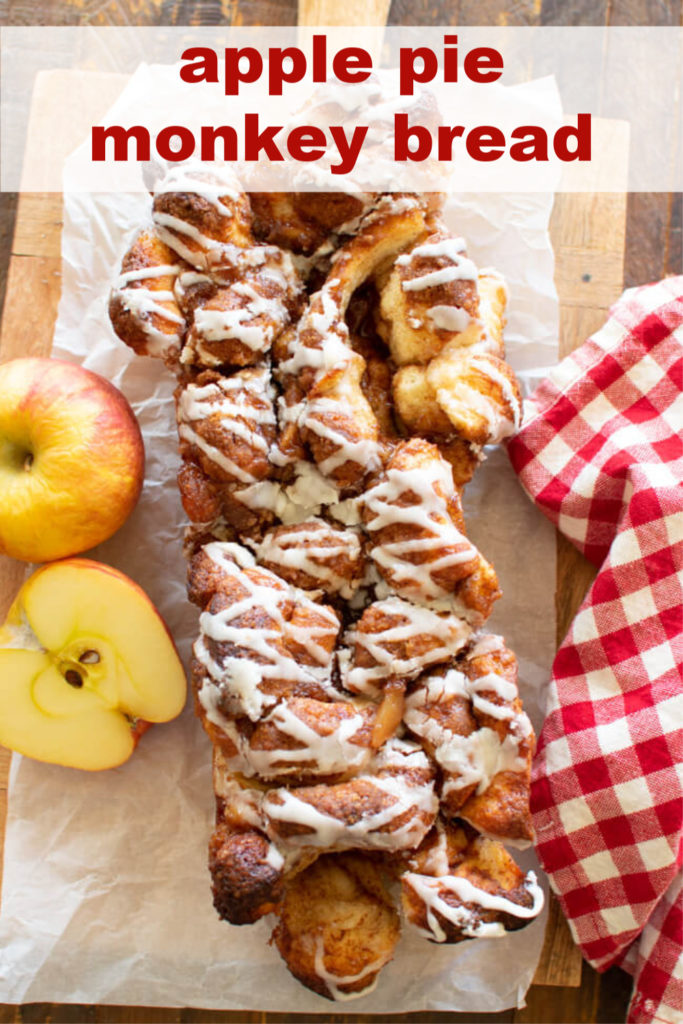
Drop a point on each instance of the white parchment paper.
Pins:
(106, 895)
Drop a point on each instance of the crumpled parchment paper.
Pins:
(106, 894)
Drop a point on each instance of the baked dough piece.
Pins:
(315, 555)
(469, 718)
(227, 424)
(235, 324)
(460, 385)
(396, 639)
(303, 741)
(227, 427)
(463, 886)
(198, 212)
(390, 808)
(430, 298)
(321, 373)
(247, 869)
(142, 306)
(261, 640)
(304, 221)
(337, 926)
(415, 522)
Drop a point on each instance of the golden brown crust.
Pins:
(212, 217)
(414, 518)
(337, 926)
(408, 323)
(443, 911)
(226, 426)
(142, 307)
(244, 883)
(301, 221)
(315, 555)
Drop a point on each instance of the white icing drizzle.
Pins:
(448, 632)
(310, 551)
(296, 502)
(449, 318)
(503, 688)
(363, 450)
(411, 563)
(147, 303)
(241, 405)
(317, 754)
(474, 759)
(330, 352)
(431, 891)
(169, 228)
(333, 981)
(147, 273)
(143, 301)
(408, 797)
(189, 278)
(463, 395)
(490, 369)
(485, 643)
(274, 858)
(209, 696)
(465, 271)
(259, 651)
(436, 861)
(244, 803)
(452, 249)
(223, 324)
(191, 176)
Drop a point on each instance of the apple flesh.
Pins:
(86, 662)
(71, 459)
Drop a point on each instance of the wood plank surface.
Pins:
(653, 247)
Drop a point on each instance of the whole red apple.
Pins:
(71, 459)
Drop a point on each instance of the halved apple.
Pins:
(85, 662)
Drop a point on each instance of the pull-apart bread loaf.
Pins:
(340, 369)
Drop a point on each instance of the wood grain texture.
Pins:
(149, 12)
(644, 12)
(350, 12)
(577, 12)
(39, 225)
(8, 209)
(653, 237)
(560, 961)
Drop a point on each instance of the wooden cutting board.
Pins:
(588, 235)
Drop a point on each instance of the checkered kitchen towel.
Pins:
(601, 453)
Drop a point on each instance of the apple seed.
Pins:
(89, 658)
(73, 678)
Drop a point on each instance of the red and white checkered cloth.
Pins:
(601, 453)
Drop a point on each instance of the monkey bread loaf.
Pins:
(340, 369)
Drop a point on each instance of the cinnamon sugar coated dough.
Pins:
(340, 369)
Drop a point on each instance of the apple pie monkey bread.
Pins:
(340, 369)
